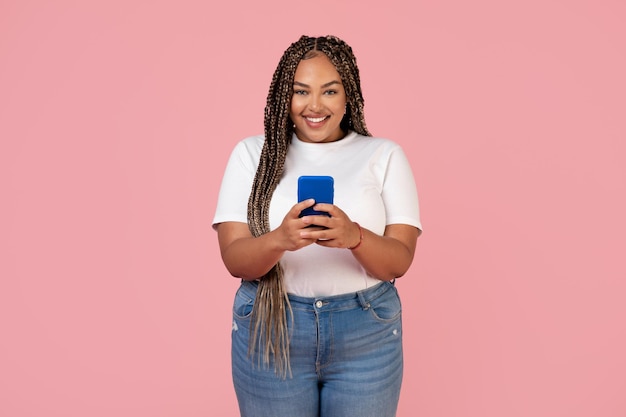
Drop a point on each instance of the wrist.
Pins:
(360, 237)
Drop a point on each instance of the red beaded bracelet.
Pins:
(360, 237)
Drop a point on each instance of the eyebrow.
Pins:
(328, 84)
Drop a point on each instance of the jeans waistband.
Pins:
(358, 299)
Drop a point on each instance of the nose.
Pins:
(315, 104)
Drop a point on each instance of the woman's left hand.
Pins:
(339, 232)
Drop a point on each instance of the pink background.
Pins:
(116, 121)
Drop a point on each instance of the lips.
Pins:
(316, 119)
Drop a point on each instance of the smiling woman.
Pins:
(317, 319)
(318, 104)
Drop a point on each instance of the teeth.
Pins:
(315, 119)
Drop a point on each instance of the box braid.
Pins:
(269, 332)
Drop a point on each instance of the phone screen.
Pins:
(318, 187)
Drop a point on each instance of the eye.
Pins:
(300, 92)
(330, 92)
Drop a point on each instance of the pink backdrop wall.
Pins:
(116, 120)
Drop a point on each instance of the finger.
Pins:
(327, 208)
(329, 243)
(311, 232)
(297, 208)
(323, 222)
(325, 235)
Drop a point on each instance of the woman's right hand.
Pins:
(290, 230)
(251, 257)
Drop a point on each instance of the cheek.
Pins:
(292, 114)
(340, 105)
(339, 108)
(294, 108)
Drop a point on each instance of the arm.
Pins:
(251, 257)
(389, 256)
(384, 257)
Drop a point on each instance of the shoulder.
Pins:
(246, 153)
(377, 143)
(378, 140)
(251, 144)
(249, 148)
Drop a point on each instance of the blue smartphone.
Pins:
(319, 187)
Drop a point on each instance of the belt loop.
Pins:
(364, 303)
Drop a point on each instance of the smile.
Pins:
(316, 119)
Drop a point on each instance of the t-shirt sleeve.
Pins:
(232, 201)
(400, 192)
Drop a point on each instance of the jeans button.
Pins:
(319, 304)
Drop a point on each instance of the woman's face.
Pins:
(318, 102)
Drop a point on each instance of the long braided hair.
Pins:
(269, 330)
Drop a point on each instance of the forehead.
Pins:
(317, 67)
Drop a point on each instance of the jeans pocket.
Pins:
(386, 308)
(242, 306)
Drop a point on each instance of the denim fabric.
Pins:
(346, 357)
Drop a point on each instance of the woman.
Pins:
(317, 319)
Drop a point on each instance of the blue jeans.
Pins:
(346, 357)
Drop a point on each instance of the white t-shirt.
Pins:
(373, 184)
